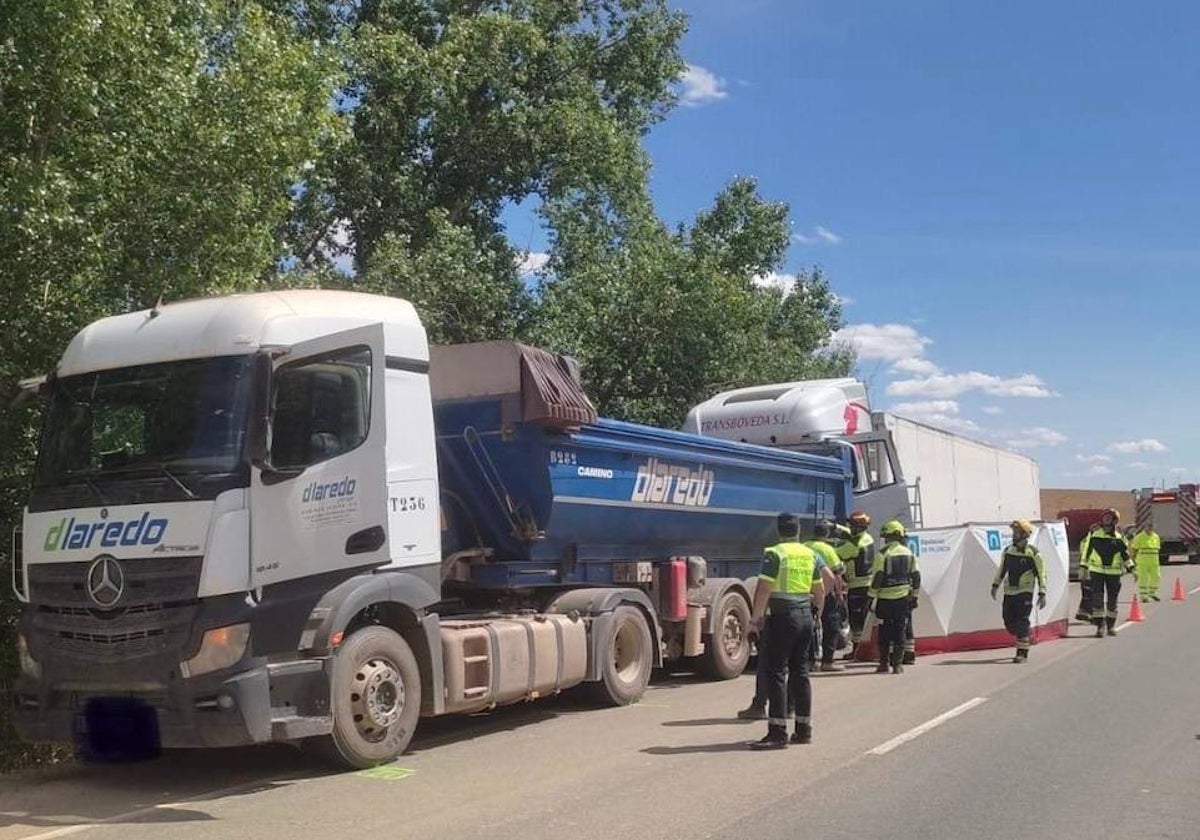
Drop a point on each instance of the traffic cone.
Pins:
(1178, 596)
(1135, 608)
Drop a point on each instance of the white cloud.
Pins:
(1138, 465)
(883, 342)
(926, 407)
(776, 280)
(531, 262)
(1094, 459)
(1098, 469)
(1179, 470)
(916, 367)
(1034, 438)
(844, 300)
(820, 235)
(940, 413)
(993, 410)
(1132, 447)
(954, 384)
(701, 87)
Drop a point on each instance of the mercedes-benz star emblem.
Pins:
(105, 582)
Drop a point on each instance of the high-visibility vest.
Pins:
(895, 573)
(1020, 569)
(1146, 545)
(790, 567)
(829, 554)
(858, 553)
(1104, 553)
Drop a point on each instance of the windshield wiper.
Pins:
(178, 481)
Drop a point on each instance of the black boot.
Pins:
(754, 711)
(775, 739)
(803, 734)
(883, 660)
(1111, 624)
(1099, 629)
(910, 657)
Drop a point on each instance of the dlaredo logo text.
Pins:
(70, 535)
(317, 491)
(659, 482)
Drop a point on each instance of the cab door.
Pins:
(318, 498)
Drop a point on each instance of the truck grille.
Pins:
(153, 617)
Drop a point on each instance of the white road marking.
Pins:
(1194, 591)
(916, 732)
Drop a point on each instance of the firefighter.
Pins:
(835, 599)
(1105, 554)
(1020, 567)
(1146, 547)
(895, 581)
(792, 578)
(857, 551)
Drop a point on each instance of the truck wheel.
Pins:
(626, 659)
(729, 645)
(376, 699)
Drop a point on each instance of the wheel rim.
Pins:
(733, 634)
(377, 698)
(628, 652)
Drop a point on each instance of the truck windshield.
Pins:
(168, 419)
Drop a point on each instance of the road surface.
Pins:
(1092, 738)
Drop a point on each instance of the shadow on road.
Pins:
(996, 661)
(724, 721)
(68, 795)
(697, 749)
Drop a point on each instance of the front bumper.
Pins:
(264, 703)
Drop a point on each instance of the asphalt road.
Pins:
(1092, 738)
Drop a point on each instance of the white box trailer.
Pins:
(954, 479)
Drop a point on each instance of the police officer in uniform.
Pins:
(895, 582)
(857, 551)
(792, 579)
(1020, 567)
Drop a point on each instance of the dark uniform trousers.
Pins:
(789, 634)
(894, 615)
(1016, 610)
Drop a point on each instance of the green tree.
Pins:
(460, 108)
(662, 320)
(147, 148)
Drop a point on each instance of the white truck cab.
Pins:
(145, 568)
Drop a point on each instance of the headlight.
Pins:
(29, 665)
(221, 648)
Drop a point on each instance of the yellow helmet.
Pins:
(1024, 526)
(893, 528)
(1114, 513)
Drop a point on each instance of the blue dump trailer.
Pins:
(543, 500)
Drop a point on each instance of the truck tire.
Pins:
(626, 655)
(728, 648)
(376, 699)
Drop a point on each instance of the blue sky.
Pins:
(1006, 194)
